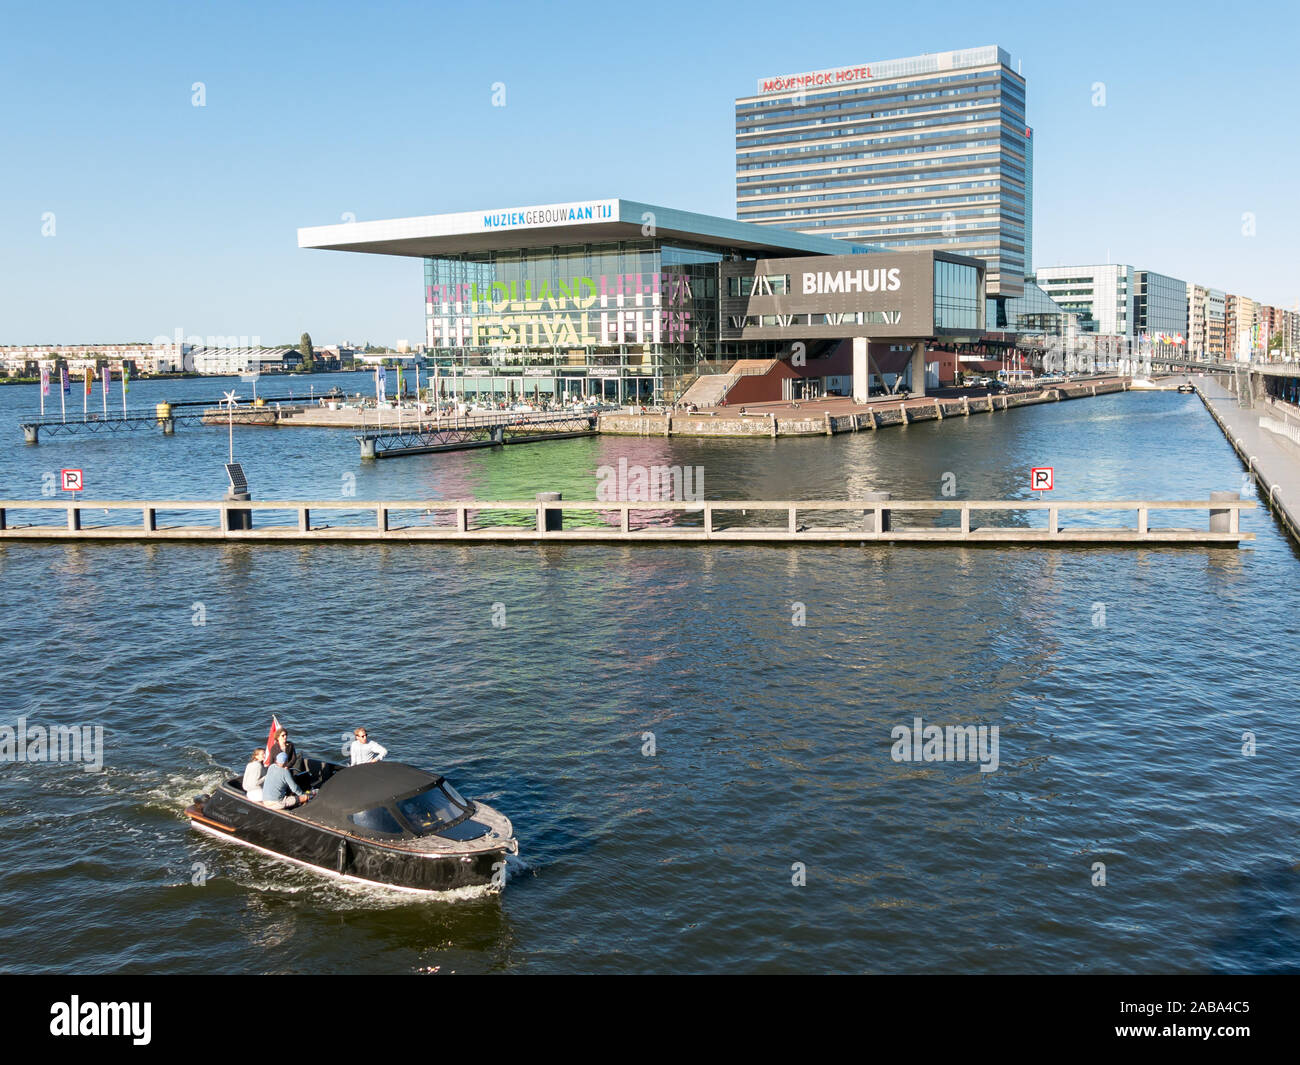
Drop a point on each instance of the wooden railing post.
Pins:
(794, 526)
(462, 519)
(1142, 521)
(381, 518)
(150, 520)
(304, 519)
(74, 519)
(965, 519)
(708, 520)
(1053, 523)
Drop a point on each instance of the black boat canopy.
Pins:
(362, 787)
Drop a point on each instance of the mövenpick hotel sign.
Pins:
(814, 79)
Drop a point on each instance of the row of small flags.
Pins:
(66, 381)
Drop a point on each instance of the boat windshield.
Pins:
(434, 809)
(377, 820)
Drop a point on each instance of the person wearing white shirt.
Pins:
(364, 751)
(254, 773)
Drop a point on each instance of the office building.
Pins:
(928, 152)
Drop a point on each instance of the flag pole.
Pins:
(63, 402)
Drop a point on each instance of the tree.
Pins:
(305, 350)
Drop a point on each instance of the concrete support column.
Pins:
(1223, 520)
(169, 426)
(238, 518)
(367, 447)
(861, 370)
(549, 519)
(918, 368)
(31, 434)
(869, 516)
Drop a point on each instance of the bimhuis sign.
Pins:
(877, 295)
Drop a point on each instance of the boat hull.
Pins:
(350, 857)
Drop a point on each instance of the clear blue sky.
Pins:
(171, 216)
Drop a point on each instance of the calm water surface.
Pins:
(1120, 743)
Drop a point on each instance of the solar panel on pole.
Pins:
(238, 482)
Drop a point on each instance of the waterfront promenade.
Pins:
(1267, 438)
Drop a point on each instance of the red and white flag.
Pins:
(270, 740)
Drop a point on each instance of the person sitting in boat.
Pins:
(253, 774)
(279, 790)
(364, 751)
(283, 745)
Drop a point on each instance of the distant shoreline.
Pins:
(173, 376)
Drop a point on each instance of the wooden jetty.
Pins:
(550, 519)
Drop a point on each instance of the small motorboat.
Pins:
(382, 823)
(1187, 386)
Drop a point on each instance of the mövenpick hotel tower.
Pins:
(931, 152)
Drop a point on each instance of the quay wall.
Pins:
(879, 415)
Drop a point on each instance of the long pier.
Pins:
(165, 416)
(548, 519)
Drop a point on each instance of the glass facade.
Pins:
(1034, 314)
(622, 320)
(930, 152)
(1103, 297)
(956, 296)
(1161, 305)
